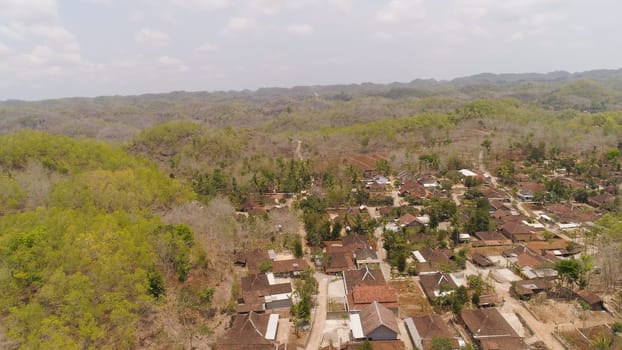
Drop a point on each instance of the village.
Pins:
(520, 273)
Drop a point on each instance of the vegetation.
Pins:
(81, 271)
(97, 238)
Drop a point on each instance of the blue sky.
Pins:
(60, 48)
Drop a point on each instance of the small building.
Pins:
(422, 329)
(335, 263)
(490, 330)
(437, 284)
(594, 301)
(361, 296)
(366, 256)
(289, 267)
(481, 261)
(252, 259)
(364, 276)
(517, 231)
(251, 331)
(490, 239)
(378, 322)
(526, 289)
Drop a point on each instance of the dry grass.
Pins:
(411, 300)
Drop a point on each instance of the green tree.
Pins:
(441, 343)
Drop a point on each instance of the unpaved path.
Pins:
(297, 151)
(319, 314)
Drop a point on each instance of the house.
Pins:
(594, 301)
(527, 190)
(600, 200)
(355, 241)
(252, 259)
(257, 294)
(375, 345)
(378, 322)
(437, 284)
(337, 262)
(490, 330)
(364, 276)
(362, 296)
(517, 231)
(366, 256)
(481, 261)
(409, 220)
(413, 189)
(289, 267)
(432, 260)
(494, 194)
(490, 238)
(253, 286)
(251, 331)
(526, 289)
(422, 329)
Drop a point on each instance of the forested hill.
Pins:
(83, 255)
(118, 118)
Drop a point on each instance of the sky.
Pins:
(66, 48)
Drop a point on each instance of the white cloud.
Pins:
(152, 37)
(205, 48)
(202, 4)
(172, 63)
(29, 11)
(300, 29)
(239, 24)
(400, 10)
(5, 50)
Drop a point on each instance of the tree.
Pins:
(156, 284)
(265, 266)
(366, 345)
(441, 343)
(383, 167)
(298, 253)
(570, 271)
(487, 144)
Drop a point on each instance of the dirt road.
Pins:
(298, 146)
(319, 313)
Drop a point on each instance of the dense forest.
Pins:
(118, 211)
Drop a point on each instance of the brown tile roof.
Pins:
(514, 228)
(364, 276)
(252, 259)
(355, 241)
(487, 322)
(365, 294)
(504, 343)
(516, 251)
(280, 288)
(408, 219)
(338, 262)
(255, 284)
(533, 260)
(533, 286)
(375, 316)
(481, 260)
(379, 345)
(432, 325)
(435, 282)
(247, 332)
(601, 199)
(290, 265)
(492, 238)
(589, 297)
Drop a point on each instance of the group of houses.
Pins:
(265, 297)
